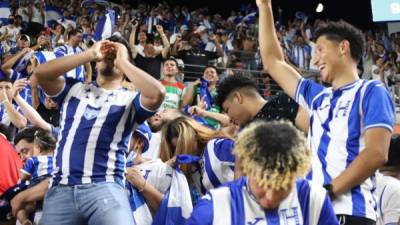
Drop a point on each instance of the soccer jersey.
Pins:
(387, 194)
(157, 173)
(338, 121)
(95, 128)
(38, 166)
(217, 163)
(173, 96)
(79, 72)
(234, 204)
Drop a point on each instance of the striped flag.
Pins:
(105, 26)
(52, 15)
(176, 206)
(140, 210)
(4, 12)
(45, 56)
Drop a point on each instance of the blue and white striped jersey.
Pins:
(217, 163)
(95, 128)
(233, 203)
(38, 166)
(79, 72)
(338, 121)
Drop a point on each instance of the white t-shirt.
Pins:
(36, 15)
(157, 173)
(140, 49)
(154, 147)
(387, 195)
(20, 12)
(12, 32)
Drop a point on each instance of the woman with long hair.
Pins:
(216, 166)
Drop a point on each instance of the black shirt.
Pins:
(51, 116)
(279, 106)
(195, 57)
(150, 65)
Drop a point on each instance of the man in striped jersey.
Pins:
(96, 124)
(82, 72)
(273, 155)
(350, 122)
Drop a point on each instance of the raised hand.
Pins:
(121, 52)
(159, 29)
(18, 86)
(99, 50)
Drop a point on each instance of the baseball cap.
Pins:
(144, 131)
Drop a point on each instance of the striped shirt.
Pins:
(217, 163)
(338, 121)
(95, 128)
(38, 166)
(79, 72)
(307, 204)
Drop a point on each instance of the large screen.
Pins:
(385, 10)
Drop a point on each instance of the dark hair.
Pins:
(45, 140)
(171, 59)
(394, 153)
(74, 32)
(341, 30)
(120, 39)
(5, 130)
(233, 83)
(27, 134)
(211, 66)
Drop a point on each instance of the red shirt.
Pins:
(10, 165)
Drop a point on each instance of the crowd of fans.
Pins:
(199, 58)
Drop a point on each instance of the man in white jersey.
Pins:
(274, 156)
(82, 72)
(350, 122)
(96, 124)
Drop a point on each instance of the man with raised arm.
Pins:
(96, 124)
(350, 122)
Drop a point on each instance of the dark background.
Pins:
(357, 12)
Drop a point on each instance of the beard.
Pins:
(108, 71)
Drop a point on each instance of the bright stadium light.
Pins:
(319, 8)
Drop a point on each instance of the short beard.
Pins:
(108, 71)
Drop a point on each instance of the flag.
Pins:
(105, 26)
(45, 56)
(4, 12)
(250, 18)
(205, 93)
(94, 3)
(140, 210)
(52, 15)
(176, 207)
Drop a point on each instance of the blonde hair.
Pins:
(191, 136)
(274, 154)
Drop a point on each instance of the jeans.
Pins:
(87, 204)
(354, 220)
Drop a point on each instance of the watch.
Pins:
(329, 189)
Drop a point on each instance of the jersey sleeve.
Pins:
(141, 112)
(59, 98)
(306, 91)
(203, 213)
(377, 107)
(29, 167)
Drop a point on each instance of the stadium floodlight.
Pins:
(319, 8)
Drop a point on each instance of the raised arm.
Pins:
(132, 38)
(271, 52)
(152, 91)
(15, 117)
(50, 75)
(165, 42)
(30, 113)
(7, 66)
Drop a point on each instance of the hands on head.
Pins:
(109, 50)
